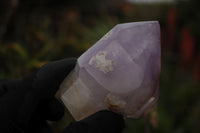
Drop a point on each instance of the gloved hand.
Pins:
(26, 104)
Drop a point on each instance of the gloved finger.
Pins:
(51, 110)
(3, 87)
(104, 122)
(38, 126)
(49, 77)
(15, 103)
(78, 127)
(8, 85)
(100, 122)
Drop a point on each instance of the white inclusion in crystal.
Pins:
(114, 102)
(103, 64)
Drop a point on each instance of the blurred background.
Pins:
(35, 32)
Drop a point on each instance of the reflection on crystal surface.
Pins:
(120, 73)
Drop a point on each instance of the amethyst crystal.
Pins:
(119, 73)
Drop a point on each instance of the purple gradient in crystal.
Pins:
(120, 72)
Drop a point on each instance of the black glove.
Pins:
(26, 104)
(101, 122)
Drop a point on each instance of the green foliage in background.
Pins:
(41, 37)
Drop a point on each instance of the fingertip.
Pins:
(105, 121)
(53, 110)
(51, 75)
(63, 67)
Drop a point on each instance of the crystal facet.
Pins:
(119, 73)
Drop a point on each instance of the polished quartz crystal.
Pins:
(119, 73)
